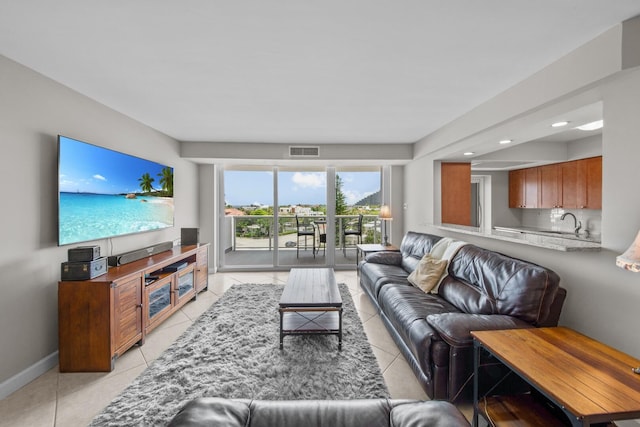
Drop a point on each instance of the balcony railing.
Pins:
(255, 232)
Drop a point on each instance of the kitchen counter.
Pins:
(529, 236)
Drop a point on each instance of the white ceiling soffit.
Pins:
(289, 71)
(491, 165)
(538, 142)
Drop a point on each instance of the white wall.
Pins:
(602, 299)
(207, 208)
(33, 111)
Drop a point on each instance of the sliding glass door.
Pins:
(282, 217)
(358, 200)
(302, 213)
(247, 232)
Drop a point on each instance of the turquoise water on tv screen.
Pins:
(87, 216)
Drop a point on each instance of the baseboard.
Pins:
(23, 378)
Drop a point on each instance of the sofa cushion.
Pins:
(455, 328)
(212, 412)
(310, 413)
(481, 281)
(427, 414)
(406, 309)
(414, 246)
(374, 276)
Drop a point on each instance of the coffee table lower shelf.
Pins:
(311, 321)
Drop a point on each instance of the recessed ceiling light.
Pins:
(592, 126)
(506, 141)
(559, 124)
(469, 153)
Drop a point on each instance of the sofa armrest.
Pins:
(385, 257)
(455, 328)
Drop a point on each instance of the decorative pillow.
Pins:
(428, 273)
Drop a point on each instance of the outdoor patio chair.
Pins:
(305, 228)
(353, 228)
(322, 235)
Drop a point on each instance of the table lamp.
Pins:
(630, 260)
(385, 215)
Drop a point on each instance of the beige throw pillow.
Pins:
(428, 273)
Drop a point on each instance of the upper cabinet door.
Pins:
(456, 193)
(531, 193)
(569, 185)
(589, 183)
(550, 190)
(516, 188)
(523, 188)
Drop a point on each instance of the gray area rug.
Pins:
(232, 350)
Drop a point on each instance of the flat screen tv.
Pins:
(103, 193)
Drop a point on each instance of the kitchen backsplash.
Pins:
(550, 219)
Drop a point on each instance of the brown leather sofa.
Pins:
(484, 290)
(212, 411)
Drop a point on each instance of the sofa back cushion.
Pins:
(481, 281)
(215, 411)
(414, 246)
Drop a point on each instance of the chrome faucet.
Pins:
(577, 225)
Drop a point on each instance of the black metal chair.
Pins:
(352, 228)
(305, 228)
(322, 235)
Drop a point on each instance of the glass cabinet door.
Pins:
(185, 283)
(159, 299)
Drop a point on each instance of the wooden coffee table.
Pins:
(311, 304)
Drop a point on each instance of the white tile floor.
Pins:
(73, 399)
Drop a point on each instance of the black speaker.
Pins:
(189, 236)
(128, 257)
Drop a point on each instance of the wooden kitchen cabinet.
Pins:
(456, 193)
(558, 183)
(589, 183)
(523, 188)
(569, 185)
(550, 186)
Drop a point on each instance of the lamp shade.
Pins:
(630, 259)
(385, 212)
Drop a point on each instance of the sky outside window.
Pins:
(244, 188)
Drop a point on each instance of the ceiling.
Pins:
(330, 71)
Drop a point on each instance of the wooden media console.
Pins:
(101, 318)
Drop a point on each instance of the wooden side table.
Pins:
(580, 380)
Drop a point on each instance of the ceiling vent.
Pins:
(305, 151)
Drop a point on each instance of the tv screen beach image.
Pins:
(103, 193)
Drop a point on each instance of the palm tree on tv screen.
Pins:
(166, 180)
(146, 183)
